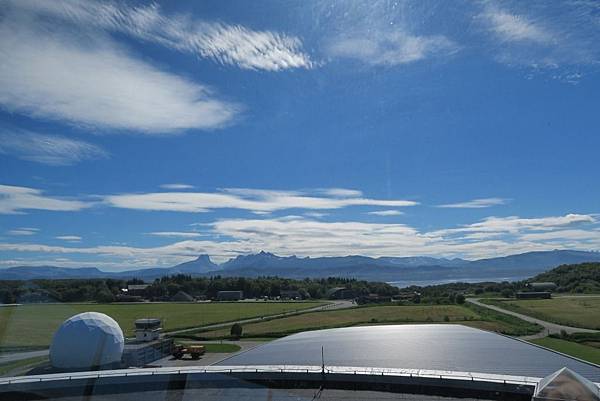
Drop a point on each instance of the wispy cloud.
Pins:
(15, 200)
(177, 186)
(515, 28)
(476, 203)
(49, 71)
(255, 200)
(23, 231)
(224, 43)
(386, 213)
(47, 149)
(558, 38)
(183, 234)
(391, 48)
(69, 238)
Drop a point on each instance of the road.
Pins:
(333, 305)
(17, 356)
(549, 327)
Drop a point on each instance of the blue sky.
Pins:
(143, 134)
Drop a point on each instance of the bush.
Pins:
(460, 299)
(236, 330)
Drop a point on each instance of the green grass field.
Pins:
(30, 326)
(580, 351)
(570, 311)
(16, 367)
(366, 315)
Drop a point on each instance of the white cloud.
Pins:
(515, 28)
(47, 149)
(316, 215)
(23, 231)
(255, 200)
(391, 48)
(69, 238)
(184, 234)
(177, 186)
(342, 192)
(386, 213)
(295, 235)
(47, 71)
(223, 43)
(14, 200)
(515, 224)
(476, 203)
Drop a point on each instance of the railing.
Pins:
(337, 370)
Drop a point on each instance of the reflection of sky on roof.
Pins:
(440, 347)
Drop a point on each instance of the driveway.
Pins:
(549, 327)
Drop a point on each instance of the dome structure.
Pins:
(89, 340)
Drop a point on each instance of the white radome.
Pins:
(86, 341)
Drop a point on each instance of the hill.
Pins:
(579, 278)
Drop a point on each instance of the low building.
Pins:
(141, 353)
(137, 289)
(148, 345)
(340, 293)
(534, 295)
(147, 329)
(290, 294)
(230, 295)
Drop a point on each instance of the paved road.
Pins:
(549, 327)
(209, 358)
(333, 305)
(17, 356)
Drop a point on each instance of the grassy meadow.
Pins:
(583, 311)
(375, 315)
(32, 326)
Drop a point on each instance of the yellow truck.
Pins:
(194, 351)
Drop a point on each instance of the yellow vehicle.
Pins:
(194, 351)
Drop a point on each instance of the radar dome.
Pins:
(86, 341)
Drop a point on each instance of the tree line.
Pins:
(108, 290)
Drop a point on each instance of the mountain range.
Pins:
(354, 266)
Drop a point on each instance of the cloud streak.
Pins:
(476, 203)
(223, 43)
(256, 200)
(16, 200)
(52, 150)
(386, 213)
